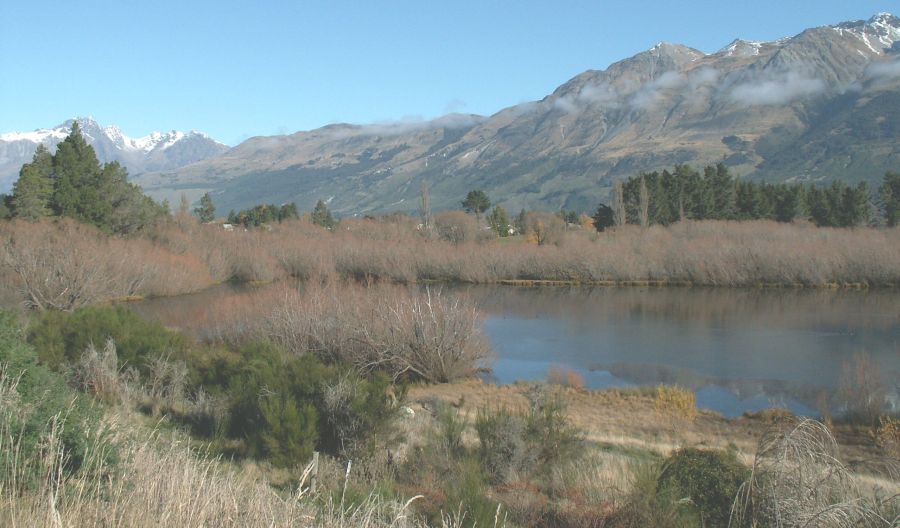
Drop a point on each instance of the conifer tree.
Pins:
(322, 216)
(206, 211)
(890, 198)
(33, 190)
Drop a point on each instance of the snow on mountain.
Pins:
(155, 151)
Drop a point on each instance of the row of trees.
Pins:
(261, 214)
(684, 193)
(72, 183)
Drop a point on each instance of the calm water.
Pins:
(738, 349)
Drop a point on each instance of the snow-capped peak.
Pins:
(90, 128)
(741, 48)
(877, 34)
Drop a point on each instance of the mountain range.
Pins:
(154, 152)
(818, 106)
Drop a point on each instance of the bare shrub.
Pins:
(457, 227)
(97, 373)
(798, 480)
(861, 390)
(426, 336)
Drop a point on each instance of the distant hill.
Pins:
(155, 152)
(822, 105)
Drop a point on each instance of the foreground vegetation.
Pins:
(110, 419)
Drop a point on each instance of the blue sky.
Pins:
(236, 69)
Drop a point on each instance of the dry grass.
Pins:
(798, 479)
(159, 481)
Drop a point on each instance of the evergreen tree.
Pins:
(604, 217)
(521, 222)
(76, 169)
(33, 190)
(476, 202)
(206, 211)
(5, 206)
(890, 198)
(499, 221)
(288, 212)
(322, 216)
(720, 189)
(786, 201)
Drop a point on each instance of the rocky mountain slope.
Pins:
(155, 152)
(821, 105)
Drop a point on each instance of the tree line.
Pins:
(662, 198)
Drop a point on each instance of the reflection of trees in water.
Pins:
(874, 308)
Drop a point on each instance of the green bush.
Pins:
(528, 444)
(503, 448)
(61, 337)
(284, 406)
(649, 505)
(42, 401)
(709, 478)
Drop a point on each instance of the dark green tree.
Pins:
(288, 212)
(33, 190)
(322, 216)
(206, 210)
(604, 217)
(476, 202)
(77, 170)
(889, 193)
(719, 193)
(6, 210)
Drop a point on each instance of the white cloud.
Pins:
(884, 70)
(776, 90)
(566, 104)
(602, 94)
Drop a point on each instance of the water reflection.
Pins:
(738, 349)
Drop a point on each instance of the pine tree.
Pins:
(499, 221)
(890, 198)
(604, 217)
(618, 204)
(206, 211)
(33, 190)
(76, 169)
(322, 216)
(476, 201)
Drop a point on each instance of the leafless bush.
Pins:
(798, 480)
(861, 390)
(423, 335)
(97, 373)
(456, 227)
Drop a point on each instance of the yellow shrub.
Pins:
(887, 436)
(676, 402)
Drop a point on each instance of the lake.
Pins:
(738, 349)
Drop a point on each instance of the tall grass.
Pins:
(157, 480)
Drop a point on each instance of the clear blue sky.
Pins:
(235, 69)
